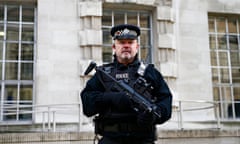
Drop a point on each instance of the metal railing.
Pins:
(210, 105)
(49, 120)
(47, 113)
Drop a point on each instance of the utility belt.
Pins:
(116, 129)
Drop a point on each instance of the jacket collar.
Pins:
(135, 63)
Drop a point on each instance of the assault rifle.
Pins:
(142, 103)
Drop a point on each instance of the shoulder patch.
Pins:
(142, 68)
(107, 67)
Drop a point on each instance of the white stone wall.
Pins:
(193, 54)
(57, 56)
(193, 57)
(69, 36)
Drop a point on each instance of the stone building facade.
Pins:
(193, 43)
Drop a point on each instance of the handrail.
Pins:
(214, 104)
(49, 111)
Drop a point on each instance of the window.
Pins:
(17, 44)
(224, 43)
(116, 17)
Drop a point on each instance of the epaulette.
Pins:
(107, 67)
(143, 66)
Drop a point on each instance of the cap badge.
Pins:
(125, 31)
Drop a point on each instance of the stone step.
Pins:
(215, 136)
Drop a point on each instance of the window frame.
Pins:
(125, 12)
(223, 91)
(18, 82)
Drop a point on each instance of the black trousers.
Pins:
(108, 140)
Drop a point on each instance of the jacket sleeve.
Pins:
(161, 92)
(92, 97)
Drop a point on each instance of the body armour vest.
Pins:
(126, 73)
(119, 72)
(112, 117)
(130, 75)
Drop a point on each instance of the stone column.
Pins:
(90, 39)
(166, 47)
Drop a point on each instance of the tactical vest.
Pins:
(113, 123)
(127, 74)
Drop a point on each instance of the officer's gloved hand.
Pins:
(146, 119)
(119, 100)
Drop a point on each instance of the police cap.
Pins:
(125, 31)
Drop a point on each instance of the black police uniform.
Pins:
(116, 119)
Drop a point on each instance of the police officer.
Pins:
(117, 120)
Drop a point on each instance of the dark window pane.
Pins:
(238, 22)
(221, 26)
(233, 42)
(10, 102)
(26, 102)
(1, 12)
(26, 92)
(232, 25)
(1, 31)
(118, 18)
(107, 38)
(223, 58)
(132, 18)
(107, 18)
(211, 26)
(236, 91)
(12, 51)
(226, 97)
(13, 13)
(222, 42)
(215, 75)
(27, 14)
(13, 32)
(216, 93)
(145, 35)
(11, 71)
(11, 93)
(145, 46)
(26, 71)
(235, 58)
(1, 50)
(236, 75)
(27, 32)
(213, 58)
(144, 20)
(212, 41)
(27, 52)
(0, 71)
(224, 76)
(145, 54)
(107, 54)
(226, 92)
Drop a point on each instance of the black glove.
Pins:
(119, 100)
(146, 119)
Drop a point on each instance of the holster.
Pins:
(98, 122)
(111, 128)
